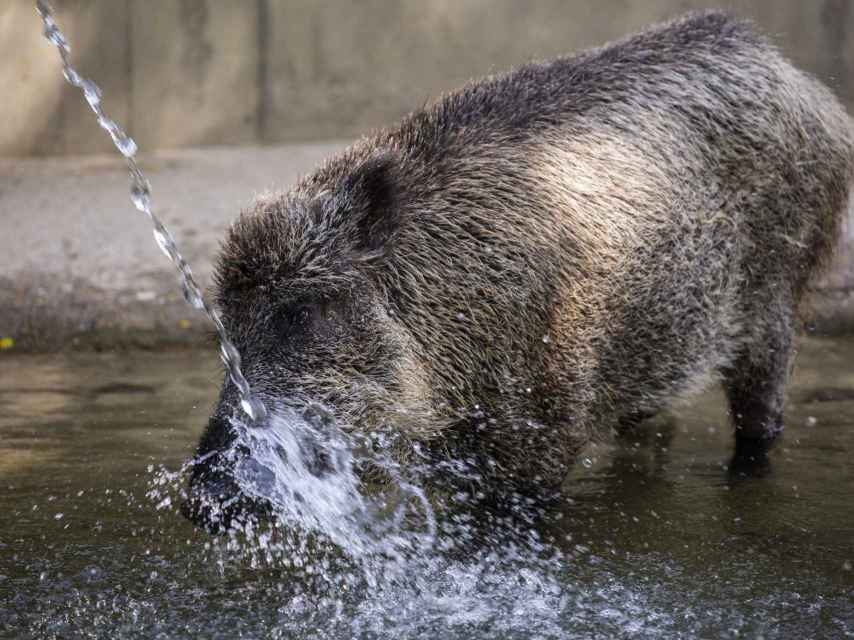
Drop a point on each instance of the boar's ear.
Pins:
(370, 191)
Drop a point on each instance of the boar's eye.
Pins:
(316, 319)
(294, 320)
(304, 315)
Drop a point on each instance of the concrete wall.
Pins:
(193, 72)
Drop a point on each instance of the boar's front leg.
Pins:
(756, 385)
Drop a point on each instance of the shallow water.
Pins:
(652, 538)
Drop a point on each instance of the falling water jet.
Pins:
(330, 505)
(140, 195)
(382, 535)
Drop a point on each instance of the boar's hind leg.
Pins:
(756, 384)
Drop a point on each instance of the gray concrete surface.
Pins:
(189, 72)
(79, 266)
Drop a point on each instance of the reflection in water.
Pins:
(653, 537)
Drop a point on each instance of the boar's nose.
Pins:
(225, 483)
(229, 485)
(217, 503)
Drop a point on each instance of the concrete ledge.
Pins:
(79, 268)
(78, 264)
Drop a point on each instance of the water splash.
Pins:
(314, 508)
(332, 501)
(140, 194)
(344, 561)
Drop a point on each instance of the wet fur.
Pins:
(547, 254)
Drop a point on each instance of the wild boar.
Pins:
(548, 254)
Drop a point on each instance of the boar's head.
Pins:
(299, 295)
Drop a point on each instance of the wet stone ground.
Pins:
(654, 538)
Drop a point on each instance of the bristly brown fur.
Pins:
(555, 251)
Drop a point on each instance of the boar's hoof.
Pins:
(751, 457)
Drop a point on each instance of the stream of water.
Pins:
(140, 195)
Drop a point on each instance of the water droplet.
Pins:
(247, 407)
(140, 194)
(55, 36)
(164, 242)
(107, 124)
(124, 143)
(586, 462)
(91, 92)
(71, 76)
(193, 296)
(228, 351)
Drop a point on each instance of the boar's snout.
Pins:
(219, 505)
(216, 501)
(229, 487)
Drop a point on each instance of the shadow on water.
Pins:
(652, 537)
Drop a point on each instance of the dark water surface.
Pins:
(656, 539)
